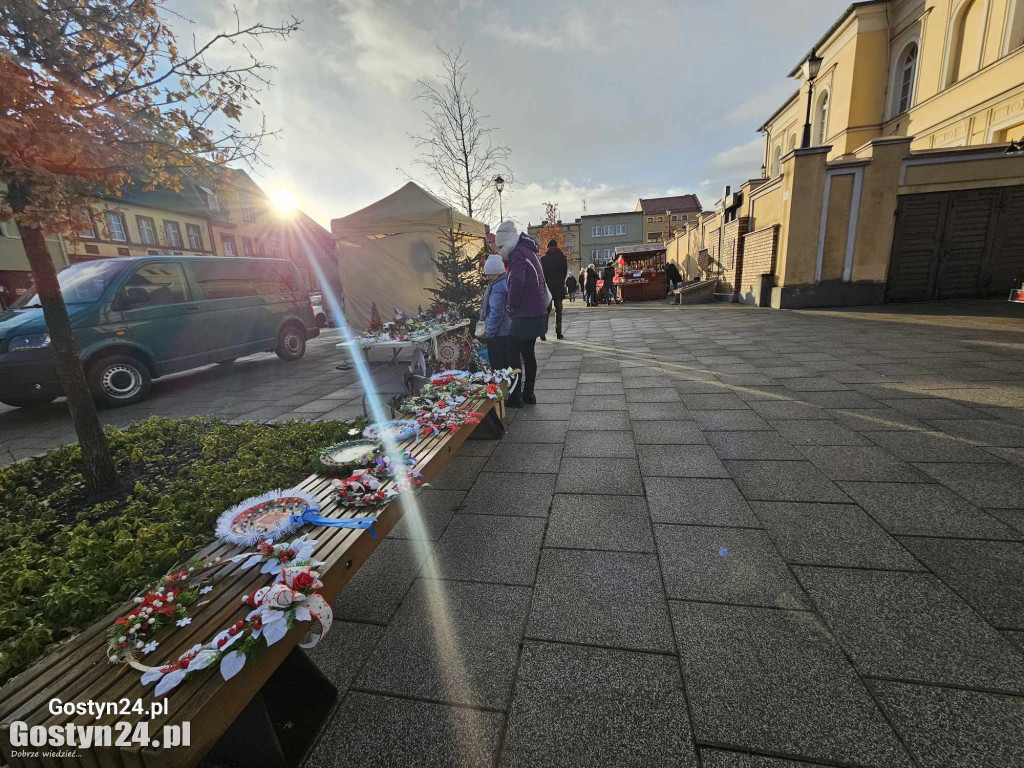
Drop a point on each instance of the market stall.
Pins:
(640, 271)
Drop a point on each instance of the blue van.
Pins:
(138, 318)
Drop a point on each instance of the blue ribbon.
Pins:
(311, 516)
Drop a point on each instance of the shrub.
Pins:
(69, 560)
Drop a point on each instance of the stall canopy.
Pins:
(384, 251)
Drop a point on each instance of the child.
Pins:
(493, 313)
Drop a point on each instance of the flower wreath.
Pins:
(366, 487)
(399, 430)
(442, 415)
(342, 458)
(293, 597)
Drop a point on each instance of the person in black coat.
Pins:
(674, 277)
(556, 267)
(609, 283)
(590, 286)
(571, 286)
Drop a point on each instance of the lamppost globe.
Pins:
(499, 184)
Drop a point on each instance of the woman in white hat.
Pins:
(493, 313)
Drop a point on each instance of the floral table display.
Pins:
(344, 457)
(396, 431)
(366, 487)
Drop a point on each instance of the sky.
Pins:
(598, 100)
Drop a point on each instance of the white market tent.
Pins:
(384, 251)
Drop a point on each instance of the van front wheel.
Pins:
(119, 380)
(291, 343)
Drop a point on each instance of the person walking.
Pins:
(609, 283)
(493, 313)
(591, 285)
(556, 267)
(527, 306)
(674, 277)
(571, 287)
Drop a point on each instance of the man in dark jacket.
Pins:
(555, 269)
(609, 284)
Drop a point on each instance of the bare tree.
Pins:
(457, 146)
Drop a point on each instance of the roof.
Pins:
(675, 204)
(619, 213)
(778, 111)
(831, 30)
(408, 209)
(626, 250)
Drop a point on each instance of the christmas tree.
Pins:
(460, 284)
(375, 326)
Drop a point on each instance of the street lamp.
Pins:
(499, 184)
(810, 69)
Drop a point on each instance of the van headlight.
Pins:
(31, 341)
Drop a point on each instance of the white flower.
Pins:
(113, 659)
(183, 622)
(205, 590)
(170, 598)
(149, 647)
(122, 639)
(151, 621)
(158, 604)
(131, 631)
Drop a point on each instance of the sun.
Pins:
(283, 198)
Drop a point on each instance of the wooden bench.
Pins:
(80, 671)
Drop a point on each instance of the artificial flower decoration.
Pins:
(151, 646)
(183, 622)
(369, 486)
(275, 557)
(396, 431)
(344, 457)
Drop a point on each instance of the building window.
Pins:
(595, 232)
(777, 161)
(653, 237)
(247, 249)
(147, 229)
(211, 201)
(822, 118)
(228, 241)
(1015, 28)
(115, 226)
(620, 229)
(89, 228)
(964, 53)
(195, 236)
(609, 230)
(661, 219)
(249, 212)
(275, 249)
(674, 217)
(792, 142)
(682, 217)
(172, 234)
(905, 75)
(650, 219)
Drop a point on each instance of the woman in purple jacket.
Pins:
(527, 305)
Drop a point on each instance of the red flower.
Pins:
(303, 581)
(492, 388)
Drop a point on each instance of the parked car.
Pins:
(135, 319)
(316, 299)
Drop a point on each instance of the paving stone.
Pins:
(698, 501)
(945, 727)
(595, 445)
(1014, 518)
(787, 372)
(725, 565)
(817, 432)
(876, 419)
(667, 433)
(342, 651)
(546, 412)
(729, 421)
(982, 431)
(579, 706)
(783, 481)
(553, 397)
(930, 446)
(909, 626)
(775, 681)
(510, 493)
(376, 590)
(525, 457)
(646, 382)
(987, 485)
(788, 409)
(750, 392)
(1012, 455)
(699, 387)
(435, 508)
(597, 403)
(657, 411)
(718, 758)
(600, 476)
(533, 431)
(470, 660)
(932, 408)
(988, 575)
(845, 399)
(1017, 638)
(680, 461)
(815, 384)
(599, 420)
(600, 598)
(752, 445)
(618, 523)
(478, 447)
(831, 534)
(381, 731)
(490, 548)
(606, 388)
(460, 473)
(601, 378)
(550, 382)
(718, 402)
(916, 509)
(652, 395)
(861, 463)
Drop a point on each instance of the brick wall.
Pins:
(731, 260)
(759, 252)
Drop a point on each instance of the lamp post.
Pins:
(810, 68)
(668, 226)
(499, 184)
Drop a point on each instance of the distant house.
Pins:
(664, 216)
(602, 233)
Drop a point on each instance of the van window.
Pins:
(82, 283)
(224, 279)
(274, 278)
(154, 285)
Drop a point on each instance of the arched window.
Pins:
(1015, 27)
(964, 54)
(777, 161)
(792, 142)
(821, 117)
(906, 73)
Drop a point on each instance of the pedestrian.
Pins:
(609, 283)
(582, 281)
(571, 286)
(527, 306)
(591, 285)
(556, 267)
(674, 277)
(5, 297)
(493, 313)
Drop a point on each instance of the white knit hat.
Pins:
(506, 237)
(494, 265)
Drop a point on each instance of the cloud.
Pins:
(387, 48)
(758, 107)
(732, 166)
(574, 32)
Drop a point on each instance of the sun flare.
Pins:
(284, 200)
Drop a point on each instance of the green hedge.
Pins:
(68, 561)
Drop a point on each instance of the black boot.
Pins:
(529, 398)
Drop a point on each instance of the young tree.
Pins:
(460, 283)
(551, 230)
(457, 147)
(94, 96)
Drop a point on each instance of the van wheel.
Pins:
(291, 343)
(118, 380)
(30, 399)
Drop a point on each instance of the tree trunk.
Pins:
(97, 464)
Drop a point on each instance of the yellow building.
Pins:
(889, 174)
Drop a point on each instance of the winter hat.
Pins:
(494, 265)
(552, 243)
(506, 238)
